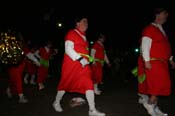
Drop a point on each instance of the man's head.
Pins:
(81, 23)
(161, 15)
(101, 38)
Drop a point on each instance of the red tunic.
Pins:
(97, 68)
(75, 78)
(142, 86)
(43, 70)
(157, 78)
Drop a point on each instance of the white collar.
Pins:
(160, 28)
(83, 36)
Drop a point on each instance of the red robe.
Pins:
(158, 78)
(43, 70)
(31, 68)
(97, 68)
(142, 86)
(75, 78)
(15, 74)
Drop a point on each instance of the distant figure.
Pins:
(44, 54)
(16, 75)
(31, 67)
(100, 57)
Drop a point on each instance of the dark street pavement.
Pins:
(118, 99)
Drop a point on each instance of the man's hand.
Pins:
(84, 62)
(147, 64)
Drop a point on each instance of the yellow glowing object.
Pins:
(11, 49)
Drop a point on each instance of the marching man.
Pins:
(76, 73)
(156, 53)
(44, 54)
(16, 75)
(100, 57)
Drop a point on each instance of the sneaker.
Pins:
(145, 97)
(159, 112)
(23, 100)
(77, 102)
(57, 106)
(96, 113)
(150, 109)
(142, 100)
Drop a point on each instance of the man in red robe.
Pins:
(15, 74)
(100, 57)
(142, 85)
(30, 68)
(156, 53)
(76, 73)
(44, 54)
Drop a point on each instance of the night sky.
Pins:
(122, 22)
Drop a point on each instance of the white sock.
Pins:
(59, 95)
(90, 99)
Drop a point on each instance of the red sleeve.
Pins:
(71, 35)
(148, 31)
(95, 46)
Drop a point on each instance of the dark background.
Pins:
(121, 21)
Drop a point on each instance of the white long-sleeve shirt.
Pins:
(147, 42)
(69, 49)
(32, 58)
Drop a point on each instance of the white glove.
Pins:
(84, 62)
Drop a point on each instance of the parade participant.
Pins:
(100, 57)
(156, 52)
(44, 54)
(142, 85)
(76, 73)
(31, 68)
(16, 74)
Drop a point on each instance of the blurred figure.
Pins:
(44, 54)
(16, 75)
(100, 57)
(31, 67)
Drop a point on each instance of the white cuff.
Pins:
(32, 58)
